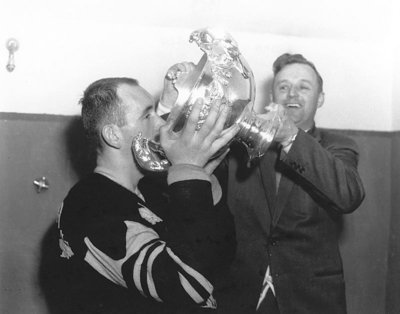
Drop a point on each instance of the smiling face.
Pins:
(296, 87)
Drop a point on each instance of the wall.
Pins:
(31, 147)
(64, 46)
(393, 282)
(365, 238)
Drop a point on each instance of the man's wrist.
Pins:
(289, 141)
(182, 172)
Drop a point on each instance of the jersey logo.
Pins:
(66, 251)
(149, 216)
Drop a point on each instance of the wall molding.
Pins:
(15, 116)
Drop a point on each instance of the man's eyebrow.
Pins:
(147, 110)
(286, 80)
(281, 81)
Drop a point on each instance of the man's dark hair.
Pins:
(288, 58)
(101, 105)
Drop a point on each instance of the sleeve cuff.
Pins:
(288, 144)
(216, 189)
(184, 172)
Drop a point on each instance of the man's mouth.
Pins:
(293, 105)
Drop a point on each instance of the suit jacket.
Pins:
(293, 229)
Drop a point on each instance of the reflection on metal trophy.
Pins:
(221, 78)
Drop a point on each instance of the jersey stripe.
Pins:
(144, 270)
(193, 280)
(143, 247)
(190, 290)
(150, 280)
(109, 268)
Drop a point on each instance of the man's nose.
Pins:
(160, 121)
(293, 92)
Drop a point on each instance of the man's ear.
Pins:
(321, 99)
(111, 135)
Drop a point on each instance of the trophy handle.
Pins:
(188, 87)
(255, 133)
(149, 155)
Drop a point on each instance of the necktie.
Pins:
(267, 303)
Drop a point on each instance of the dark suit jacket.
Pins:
(295, 231)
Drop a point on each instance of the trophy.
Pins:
(222, 77)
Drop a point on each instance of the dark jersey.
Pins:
(128, 257)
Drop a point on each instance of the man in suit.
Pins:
(287, 207)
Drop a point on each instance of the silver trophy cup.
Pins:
(222, 77)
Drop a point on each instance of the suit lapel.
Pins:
(286, 185)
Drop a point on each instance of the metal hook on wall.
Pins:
(12, 46)
(41, 184)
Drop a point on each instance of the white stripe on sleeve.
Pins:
(150, 280)
(136, 271)
(140, 237)
(106, 266)
(198, 277)
(190, 290)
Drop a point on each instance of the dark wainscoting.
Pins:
(33, 145)
(368, 244)
(393, 274)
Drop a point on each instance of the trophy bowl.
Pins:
(222, 78)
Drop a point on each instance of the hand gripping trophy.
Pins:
(221, 78)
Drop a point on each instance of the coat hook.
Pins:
(12, 46)
(41, 184)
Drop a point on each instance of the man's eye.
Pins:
(283, 88)
(147, 116)
(305, 87)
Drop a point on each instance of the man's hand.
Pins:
(287, 129)
(176, 73)
(196, 146)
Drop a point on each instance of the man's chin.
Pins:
(294, 115)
